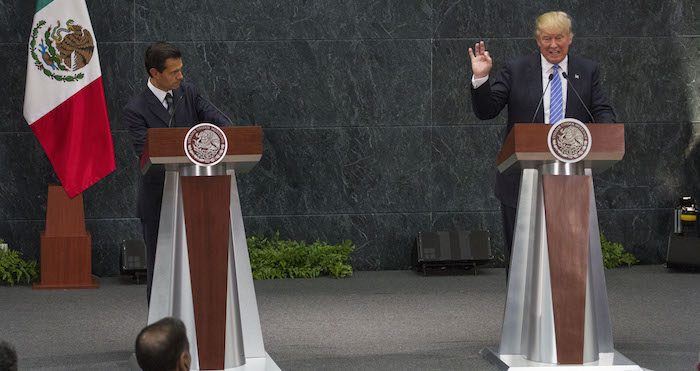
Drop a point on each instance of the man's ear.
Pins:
(153, 72)
(183, 363)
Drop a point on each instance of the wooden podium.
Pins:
(556, 311)
(66, 259)
(202, 271)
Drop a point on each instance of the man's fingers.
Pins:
(471, 53)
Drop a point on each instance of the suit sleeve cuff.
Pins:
(476, 83)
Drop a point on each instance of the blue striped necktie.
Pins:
(556, 104)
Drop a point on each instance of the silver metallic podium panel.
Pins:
(172, 291)
(528, 339)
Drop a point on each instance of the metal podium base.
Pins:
(607, 361)
(251, 364)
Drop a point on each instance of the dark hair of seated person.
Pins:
(163, 346)
(8, 357)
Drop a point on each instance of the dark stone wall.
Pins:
(365, 108)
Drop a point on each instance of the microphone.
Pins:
(174, 110)
(566, 77)
(551, 76)
(217, 108)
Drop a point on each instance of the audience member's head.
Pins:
(8, 357)
(163, 346)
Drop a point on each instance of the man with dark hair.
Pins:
(163, 346)
(521, 83)
(8, 357)
(167, 101)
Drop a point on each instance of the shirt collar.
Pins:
(547, 67)
(160, 94)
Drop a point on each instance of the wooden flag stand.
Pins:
(66, 261)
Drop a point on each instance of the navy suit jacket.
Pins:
(145, 111)
(519, 86)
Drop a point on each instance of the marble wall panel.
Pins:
(513, 19)
(648, 80)
(13, 58)
(17, 17)
(313, 83)
(23, 236)
(382, 241)
(642, 232)
(26, 171)
(342, 170)
(112, 21)
(120, 83)
(282, 20)
(691, 155)
(107, 236)
(659, 166)
(464, 167)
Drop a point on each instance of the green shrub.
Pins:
(272, 258)
(614, 255)
(15, 270)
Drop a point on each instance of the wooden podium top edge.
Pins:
(529, 142)
(166, 145)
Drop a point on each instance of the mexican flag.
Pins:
(64, 101)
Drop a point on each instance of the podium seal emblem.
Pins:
(205, 144)
(569, 140)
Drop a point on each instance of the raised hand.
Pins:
(481, 60)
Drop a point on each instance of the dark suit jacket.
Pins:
(519, 86)
(145, 111)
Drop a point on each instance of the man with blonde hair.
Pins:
(524, 82)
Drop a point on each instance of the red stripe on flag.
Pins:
(77, 139)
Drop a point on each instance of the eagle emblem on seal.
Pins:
(205, 144)
(61, 49)
(569, 140)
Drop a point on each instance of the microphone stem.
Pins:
(566, 76)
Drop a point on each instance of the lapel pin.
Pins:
(576, 76)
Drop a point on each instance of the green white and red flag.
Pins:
(64, 102)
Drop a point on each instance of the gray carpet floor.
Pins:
(390, 320)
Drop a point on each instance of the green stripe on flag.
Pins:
(40, 4)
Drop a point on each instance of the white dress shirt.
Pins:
(159, 93)
(546, 71)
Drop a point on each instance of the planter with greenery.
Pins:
(614, 255)
(274, 258)
(15, 270)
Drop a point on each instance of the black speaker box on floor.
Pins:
(132, 259)
(683, 251)
(461, 249)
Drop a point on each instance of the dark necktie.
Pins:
(169, 101)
